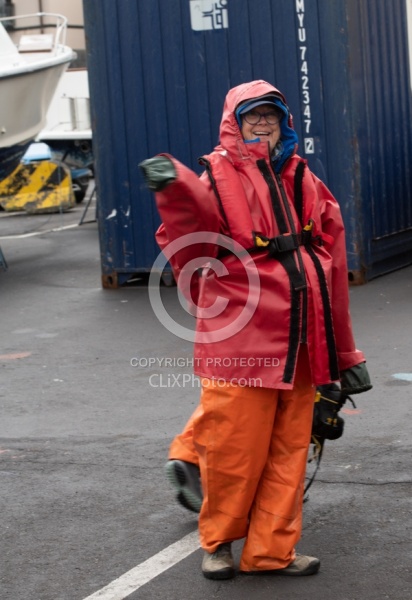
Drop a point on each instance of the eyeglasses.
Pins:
(253, 117)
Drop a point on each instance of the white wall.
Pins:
(71, 9)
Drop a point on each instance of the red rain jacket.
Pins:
(300, 294)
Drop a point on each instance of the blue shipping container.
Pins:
(159, 71)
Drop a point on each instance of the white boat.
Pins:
(68, 127)
(29, 74)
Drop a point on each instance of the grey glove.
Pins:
(355, 380)
(158, 172)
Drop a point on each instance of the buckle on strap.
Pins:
(280, 248)
(283, 243)
(306, 237)
(286, 242)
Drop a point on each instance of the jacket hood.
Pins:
(230, 134)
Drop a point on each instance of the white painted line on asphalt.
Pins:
(4, 215)
(149, 569)
(33, 233)
(403, 376)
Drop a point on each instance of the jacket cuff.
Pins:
(347, 360)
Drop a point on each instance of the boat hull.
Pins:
(10, 158)
(24, 102)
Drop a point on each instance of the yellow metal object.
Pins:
(261, 243)
(38, 187)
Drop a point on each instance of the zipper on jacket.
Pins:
(303, 337)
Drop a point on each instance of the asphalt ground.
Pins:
(84, 438)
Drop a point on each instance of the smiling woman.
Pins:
(251, 441)
(261, 121)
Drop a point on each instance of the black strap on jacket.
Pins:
(281, 247)
(203, 161)
(286, 256)
(327, 309)
(298, 190)
(286, 242)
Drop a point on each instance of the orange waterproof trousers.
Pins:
(251, 445)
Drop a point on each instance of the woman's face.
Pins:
(262, 122)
